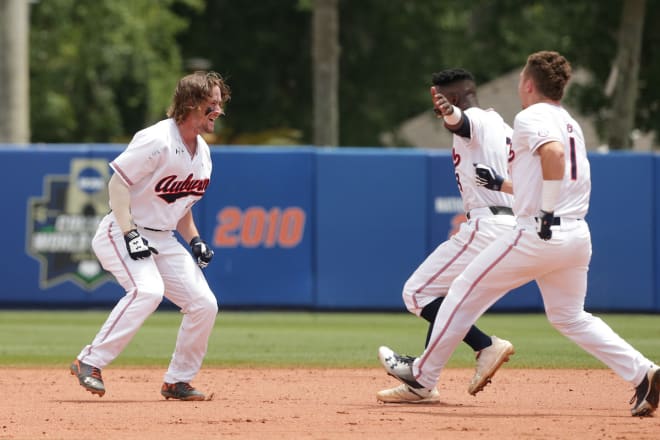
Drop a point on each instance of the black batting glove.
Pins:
(543, 223)
(138, 246)
(201, 251)
(488, 177)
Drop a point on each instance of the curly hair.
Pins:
(550, 72)
(194, 89)
(450, 76)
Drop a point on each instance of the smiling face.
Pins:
(199, 99)
(208, 111)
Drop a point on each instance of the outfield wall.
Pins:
(300, 227)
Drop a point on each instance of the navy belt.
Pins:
(155, 230)
(556, 221)
(497, 210)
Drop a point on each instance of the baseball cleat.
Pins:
(407, 394)
(489, 360)
(89, 377)
(181, 391)
(647, 394)
(400, 368)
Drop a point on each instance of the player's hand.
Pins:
(138, 246)
(201, 251)
(543, 223)
(488, 177)
(441, 105)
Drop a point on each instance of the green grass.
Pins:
(47, 338)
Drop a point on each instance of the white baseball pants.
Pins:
(171, 273)
(434, 276)
(559, 267)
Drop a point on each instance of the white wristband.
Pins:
(550, 194)
(455, 116)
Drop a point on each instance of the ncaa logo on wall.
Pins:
(63, 221)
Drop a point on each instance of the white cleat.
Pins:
(410, 391)
(407, 394)
(398, 366)
(489, 360)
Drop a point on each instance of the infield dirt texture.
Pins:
(285, 403)
(312, 376)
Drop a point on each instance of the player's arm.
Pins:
(552, 160)
(507, 186)
(120, 201)
(456, 121)
(552, 166)
(489, 178)
(188, 230)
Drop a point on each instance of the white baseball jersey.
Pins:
(163, 179)
(489, 144)
(533, 127)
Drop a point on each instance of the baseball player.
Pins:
(551, 244)
(163, 172)
(478, 135)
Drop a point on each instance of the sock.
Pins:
(475, 338)
(429, 312)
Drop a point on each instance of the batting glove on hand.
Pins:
(488, 177)
(201, 251)
(543, 223)
(138, 246)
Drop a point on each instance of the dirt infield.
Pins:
(319, 404)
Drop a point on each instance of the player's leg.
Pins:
(434, 275)
(426, 288)
(564, 291)
(424, 293)
(502, 266)
(144, 292)
(475, 338)
(563, 294)
(186, 286)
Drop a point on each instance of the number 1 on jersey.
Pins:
(573, 159)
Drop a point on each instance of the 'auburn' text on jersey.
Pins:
(170, 189)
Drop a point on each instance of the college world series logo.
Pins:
(62, 223)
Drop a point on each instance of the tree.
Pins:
(624, 75)
(101, 70)
(14, 120)
(389, 51)
(263, 50)
(325, 60)
(647, 115)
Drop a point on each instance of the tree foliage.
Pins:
(101, 70)
(263, 49)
